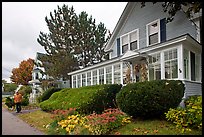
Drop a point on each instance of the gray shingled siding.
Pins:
(192, 88)
(139, 17)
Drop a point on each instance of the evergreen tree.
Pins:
(73, 42)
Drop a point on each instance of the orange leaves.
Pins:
(145, 131)
(23, 73)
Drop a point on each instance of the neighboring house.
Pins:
(39, 77)
(143, 47)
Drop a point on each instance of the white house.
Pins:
(143, 47)
(38, 76)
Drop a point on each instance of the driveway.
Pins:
(12, 125)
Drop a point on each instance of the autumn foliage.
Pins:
(23, 74)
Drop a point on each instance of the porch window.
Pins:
(153, 32)
(74, 82)
(101, 76)
(171, 64)
(125, 72)
(78, 81)
(94, 77)
(109, 75)
(88, 78)
(154, 67)
(117, 74)
(197, 67)
(83, 79)
(186, 63)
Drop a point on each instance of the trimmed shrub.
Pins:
(46, 95)
(150, 99)
(86, 100)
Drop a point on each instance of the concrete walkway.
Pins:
(12, 125)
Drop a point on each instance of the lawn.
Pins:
(40, 119)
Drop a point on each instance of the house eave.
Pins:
(123, 17)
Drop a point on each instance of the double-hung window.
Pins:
(153, 32)
(129, 41)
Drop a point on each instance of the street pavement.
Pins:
(12, 125)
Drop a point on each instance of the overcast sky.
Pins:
(23, 21)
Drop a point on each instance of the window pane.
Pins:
(174, 66)
(167, 70)
(117, 74)
(197, 67)
(125, 40)
(74, 81)
(88, 78)
(158, 72)
(79, 80)
(101, 76)
(151, 73)
(109, 75)
(133, 45)
(124, 48)
(94, 77)
(83, 80)
(133, 36)
(153, 38)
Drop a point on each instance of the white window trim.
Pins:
(128, 34)
(147, 32)
(172, 59)
(160, 62)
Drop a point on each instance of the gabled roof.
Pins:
(122, 19)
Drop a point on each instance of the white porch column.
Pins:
(86, 78)
(91, 77)
(76, 81)
(162, 65)
(180, 62)
(72, 82)
(97, 74)
(81, 79)
(121, 72)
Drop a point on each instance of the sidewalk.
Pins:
(12, 125)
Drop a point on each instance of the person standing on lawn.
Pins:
(17, 100)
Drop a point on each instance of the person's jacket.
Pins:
(18, 98)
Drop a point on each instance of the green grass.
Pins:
(152, 127)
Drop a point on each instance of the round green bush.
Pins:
(150, 99)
